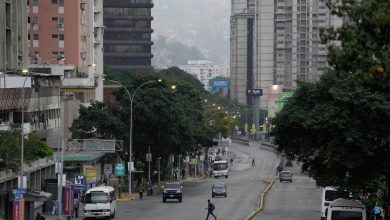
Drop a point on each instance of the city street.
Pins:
(244, 185)
(299, 200)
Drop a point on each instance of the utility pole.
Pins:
(179, 173)
(149, 159)
(159, 159)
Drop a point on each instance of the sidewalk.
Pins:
(64, 217)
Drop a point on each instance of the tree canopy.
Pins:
(339, 127)
(170, 121)
(10, 149)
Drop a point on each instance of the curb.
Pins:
(126, 197)
(260, 203)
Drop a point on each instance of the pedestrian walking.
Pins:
(377, 212)
(253, 162)
(140, 191)
(76, 206)
(39, 217)
(231, 161)
(54, 208)
(210, 209)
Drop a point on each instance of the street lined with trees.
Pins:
(339, 127)
(172, 120)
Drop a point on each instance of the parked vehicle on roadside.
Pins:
(220, 168)
(346, 209)
(100, 202)
(219, 189)
(328, 195)
(285, 176)
(173, 191)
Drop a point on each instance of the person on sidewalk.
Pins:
(253, 162)
(377, 212)
(140, 191)
(54, 209)
(39, 217)
(231, 161)
(210, 209)
(76, 206)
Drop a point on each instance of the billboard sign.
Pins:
(254, 92)
(282, 99)
(220, 87)
(107, 169)
(91, 174)
(120, 169)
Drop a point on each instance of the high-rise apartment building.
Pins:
(69, 29)
(13, 35)
(203, 70)
(251, 49)
(127, 36)
(286, 45)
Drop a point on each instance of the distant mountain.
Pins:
(203, 24)
(172, 52)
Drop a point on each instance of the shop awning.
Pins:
(35, 196)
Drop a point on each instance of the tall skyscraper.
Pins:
(276, 42)
(127, 36)
(73, 30)
(251, 49)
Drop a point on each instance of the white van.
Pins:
(328, 195)
(346, 209)
(100, 202)
(220, 168)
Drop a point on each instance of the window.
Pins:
(61, 20)
(35, 3)
(35, 20)
(54, 36)
(54, 2)
(61, 37)
(36, 37)
(54, 19)
(54, 53)
(61, 3)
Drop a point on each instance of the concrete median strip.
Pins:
(260, 203)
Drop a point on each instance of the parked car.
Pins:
(285, 176)
(173, 191)
(219, 189)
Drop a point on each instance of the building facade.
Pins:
(13, 35)
(203, 70)
(251, 49)
(276, 42)
(127, 36)
(71, 30)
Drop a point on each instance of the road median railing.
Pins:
(260, 202)
(238, 140)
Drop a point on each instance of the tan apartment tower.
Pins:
(63, 28)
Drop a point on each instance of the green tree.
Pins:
(339, 128)
(10, 149)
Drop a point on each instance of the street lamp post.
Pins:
(131, 97)
(179, 173)
(159, 159)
